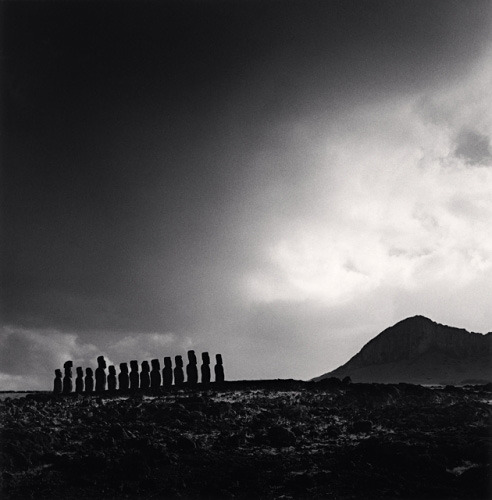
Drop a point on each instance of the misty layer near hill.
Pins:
(417, 350)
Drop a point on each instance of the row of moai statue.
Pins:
(134, 380)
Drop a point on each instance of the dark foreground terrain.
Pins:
(277, 439)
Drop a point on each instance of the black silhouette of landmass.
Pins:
(417, 350)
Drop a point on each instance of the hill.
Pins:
(418, 350)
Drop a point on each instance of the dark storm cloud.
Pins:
(148, 152)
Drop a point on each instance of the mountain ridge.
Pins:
(419, 350)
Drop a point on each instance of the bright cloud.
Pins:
(394, 203)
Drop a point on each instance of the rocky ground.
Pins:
(282, 439)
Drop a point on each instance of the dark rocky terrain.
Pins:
(419, 351)
(270, 439)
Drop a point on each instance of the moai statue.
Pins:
(89, 380)
(178, 370)
(219, 369)
(191, 369)
(101, 375)
(79, 381)
(145, 376)
(205, 368)
(155, 375)
(67, 379)
(123, 380)
(112, 378)
(167, 373)
(134, 376)
(57, 384)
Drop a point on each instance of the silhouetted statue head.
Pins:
(219, 369)
(123, 377)
(112, 378)
(145, 366)
(68, 368)
(67, 379)
(89, 380)
(101, 362)
(134, 365)
(178, 371)
(57, 384)
(79, 381)
(191, 369)
(205, 368)
(155, 375)
(167, 372)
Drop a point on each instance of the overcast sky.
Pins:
(276, 181)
